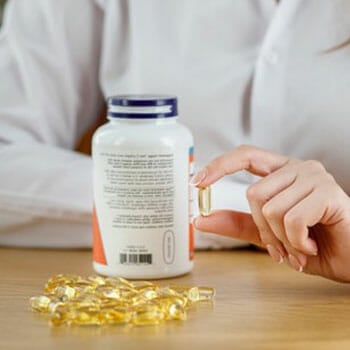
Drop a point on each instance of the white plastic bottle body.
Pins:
(142, 210)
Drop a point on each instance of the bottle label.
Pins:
(142, 211)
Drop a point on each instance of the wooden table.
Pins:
(259, 305)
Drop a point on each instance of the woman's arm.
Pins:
(49, 96)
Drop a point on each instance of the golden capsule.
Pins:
(85, 303)
(87, 318)
(196, 294)
(59, 280)
(176, 312)
(193, 294)
(104, 291)
(55, 305)
(137, 300)
(97, 280)
(127, 293)
(40, 303)
(96, 300)
(206, 293)
(148, 294)
(204, 200)
(57, 319)
(173, 307)
(116, 315)
(65, 292)
(180, 289)
(81, 281)
(166, 291)
(143, 284)
(118, 282)
(147, 315)
(113, 304)
(125, 282)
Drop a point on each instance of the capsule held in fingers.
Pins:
(204, 201)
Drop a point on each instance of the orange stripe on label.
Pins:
(191, 241)
(98, 253)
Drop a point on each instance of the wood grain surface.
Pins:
(259, 305)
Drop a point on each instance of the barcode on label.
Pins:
(136, 259)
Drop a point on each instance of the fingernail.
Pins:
(193, 221)
(199, 177)
(294, 262)
(274, 253)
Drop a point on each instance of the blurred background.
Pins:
(2, 3)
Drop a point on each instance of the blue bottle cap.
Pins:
(142, 106)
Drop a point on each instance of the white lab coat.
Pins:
(245, 71)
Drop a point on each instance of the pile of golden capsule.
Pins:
(95, 300)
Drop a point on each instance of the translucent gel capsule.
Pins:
(206, 293)
(204, 200)
(165, 301)
(166, 291)
(82, 282)
(125, 282)
(143, 284)
(196, 294)
(176, 311)
(127, 293)
(88, 318)
(116, 316)
(59, 280)
(54, 305)
(118, 282)
(147, 315)
(113, 303)
(84, 304)
(149, 293)
(57, 319)
(180, 289)
(108, 292)
(96, 300)
(98, 280)
(138, 300)
(193, 294)
(174, 308)
(40, 303)
(65, 292)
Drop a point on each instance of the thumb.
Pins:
(230, 223)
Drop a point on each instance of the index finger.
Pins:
(253, 159)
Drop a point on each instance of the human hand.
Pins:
(298, 211)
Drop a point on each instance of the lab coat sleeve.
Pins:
(49, 95)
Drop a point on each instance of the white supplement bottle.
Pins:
(143, 159)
